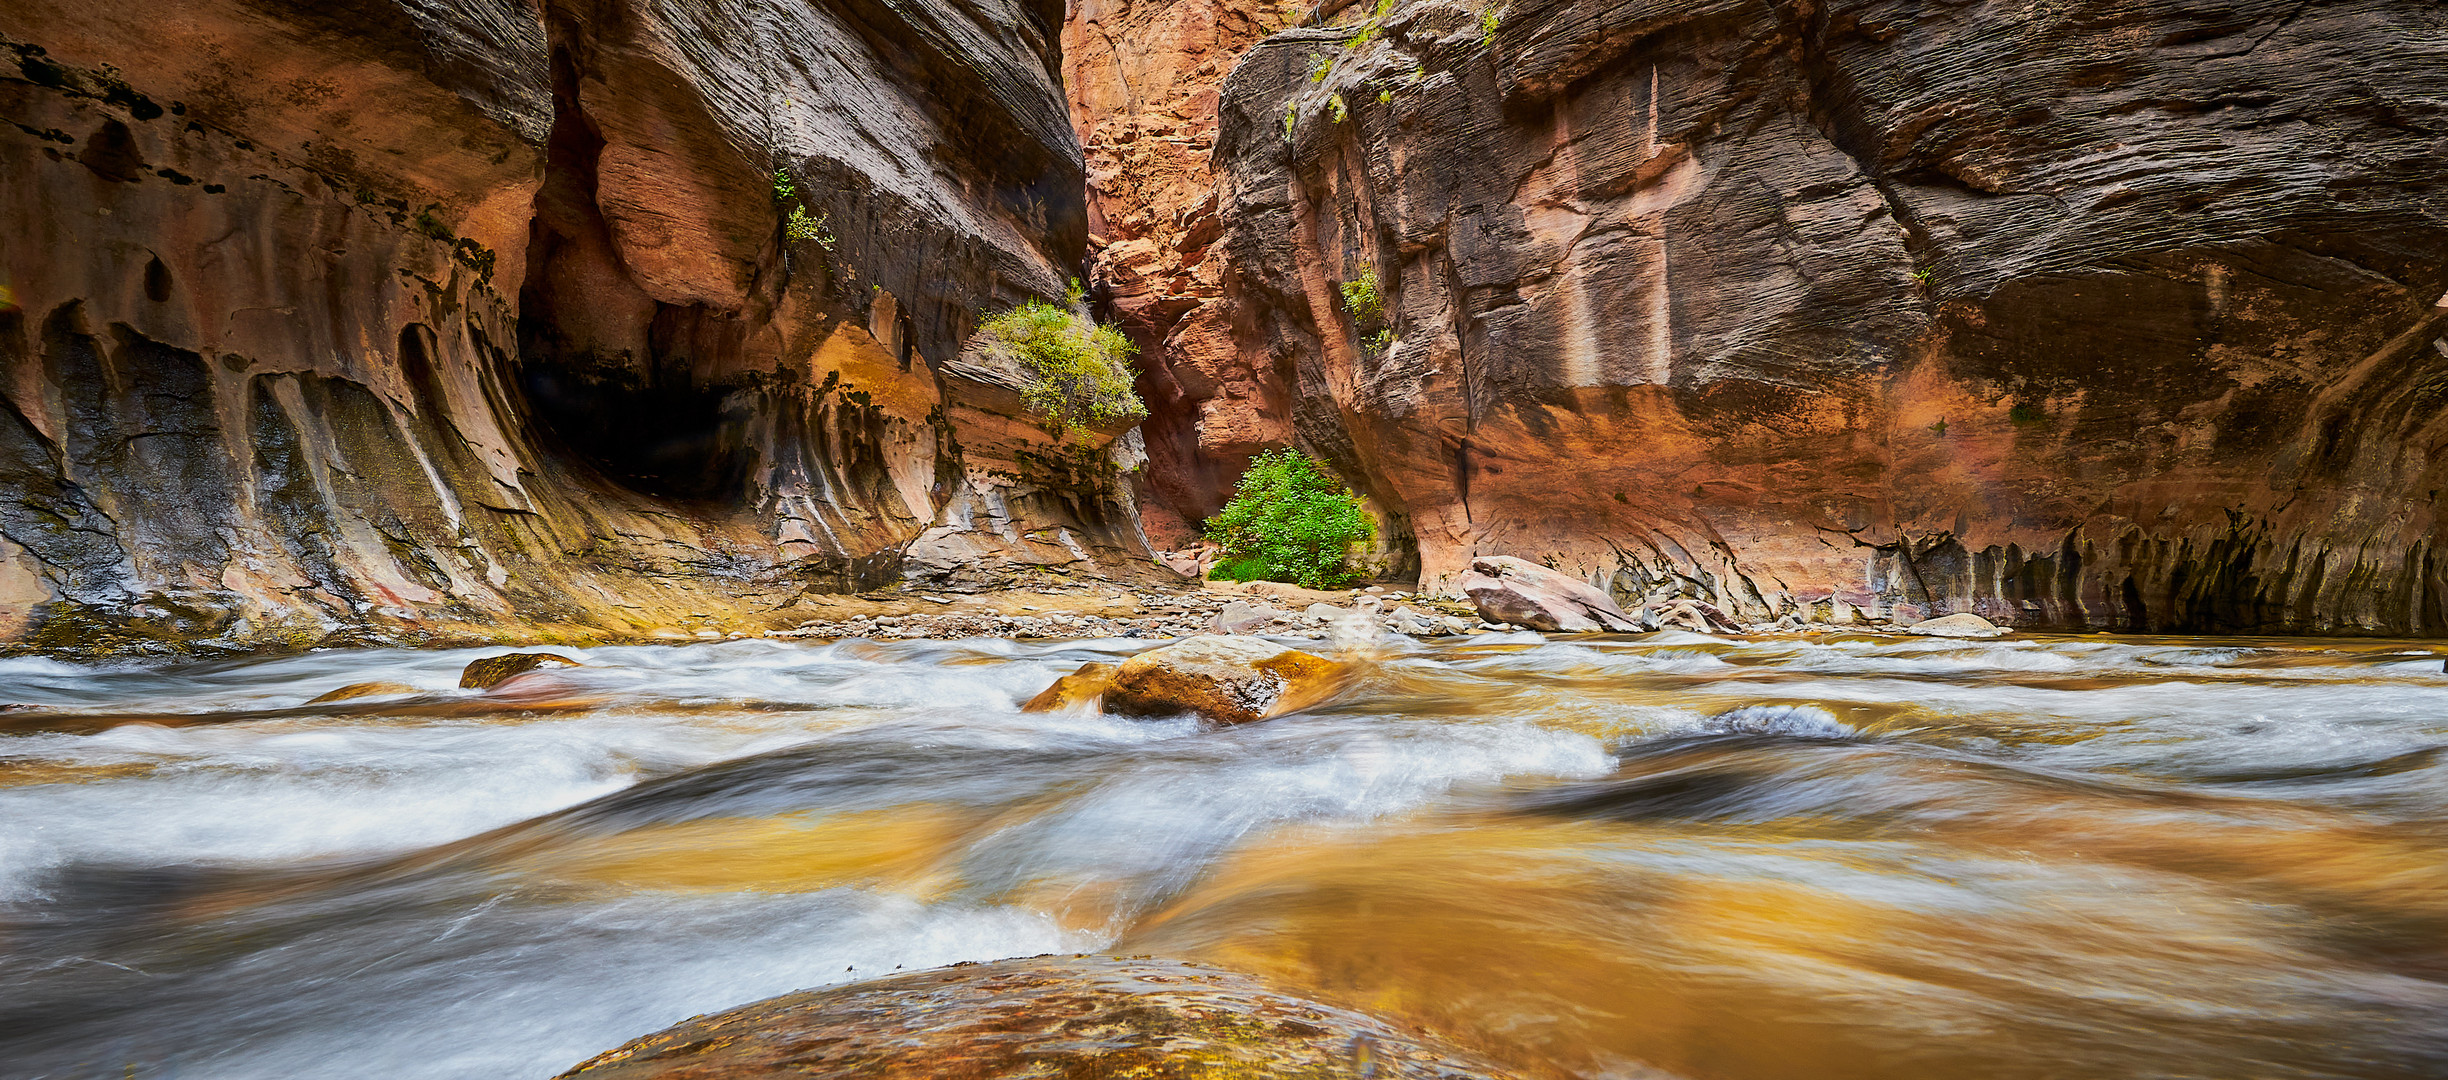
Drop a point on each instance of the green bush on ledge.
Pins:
(1289, 521)
(1079, 372)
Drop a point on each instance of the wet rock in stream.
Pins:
(1062, 1017)
(1230, 680)
(492, 671)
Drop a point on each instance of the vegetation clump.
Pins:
(1360, 296)
(801, 227)
(1288, 521)
(1078, 369)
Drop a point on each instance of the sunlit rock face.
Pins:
(2114, 313)
(481, 316)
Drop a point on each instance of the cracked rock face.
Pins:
(480, 319)
(2113, 313)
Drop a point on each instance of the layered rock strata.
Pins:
(2121, 314)
(483, 318)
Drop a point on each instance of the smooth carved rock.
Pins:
(1229, 680)
(469, 222)
(494, 670)
(354, 691)
(1959, 625)
(1054, 1017)
(2131, 320)
(1510, 590)
(1076, 692)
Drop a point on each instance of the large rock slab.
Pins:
(1226, 679)
(1510, 590)
(1043, 1017)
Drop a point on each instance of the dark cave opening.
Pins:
(608, 370)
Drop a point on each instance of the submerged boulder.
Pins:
(492, 671)
(1045, 1016)
(353, 691)
(1227, 679)
(1510, 590)
(1959, 625)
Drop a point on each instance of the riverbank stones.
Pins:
(1044, 1016)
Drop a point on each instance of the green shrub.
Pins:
(1490, 18)
(1337, 109)
(785, 189)
(1288, 521)
(1360, 296)
(1079, 370)
(800, 227)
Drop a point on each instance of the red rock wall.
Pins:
(2107, 313)
(436, 320)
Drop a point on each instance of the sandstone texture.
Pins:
(406, 321)
(1225, 679)
(1510, 590)
(2113, 313)
(1045, 1016)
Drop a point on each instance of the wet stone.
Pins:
(353, 691)
(494, 670)
(1226, 679)
(1054, 1017)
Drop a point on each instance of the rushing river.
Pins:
(1667, 856)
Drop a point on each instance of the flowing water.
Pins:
(1666, 856)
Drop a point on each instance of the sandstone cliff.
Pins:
(480, 317)
(2113, 313)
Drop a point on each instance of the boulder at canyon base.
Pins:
(1510, 590)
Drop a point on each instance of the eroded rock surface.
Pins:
(1074, 1017)
(2123, 314)
(480, 318)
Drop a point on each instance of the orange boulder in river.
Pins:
(1068, 1017)
(1227, 679)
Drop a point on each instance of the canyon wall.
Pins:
(1142, 76)
(2079, 313)
(412, 320)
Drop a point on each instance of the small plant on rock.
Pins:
(1288, 521)
(799, 226)
(1360, 296)
(1079, 372)
(1490, 18)
(1337, 109)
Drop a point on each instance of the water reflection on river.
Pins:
(1638, 857)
